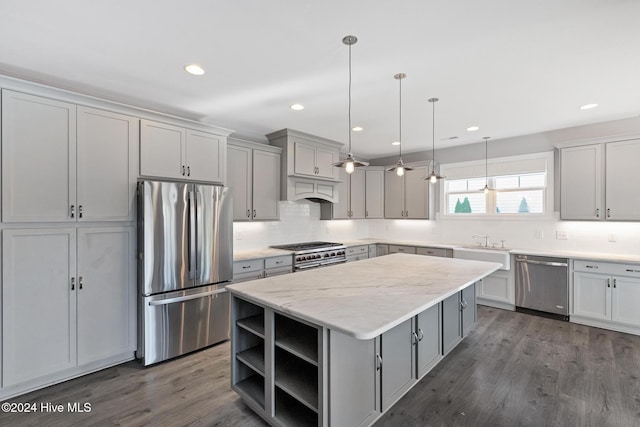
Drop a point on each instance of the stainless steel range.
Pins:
(315, 254)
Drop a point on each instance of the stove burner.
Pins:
(306, 245)
(315, 254)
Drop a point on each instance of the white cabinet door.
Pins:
(353, 381)
(106, 179)
(239, 178)
(397, 363)
(266, 185)
(106, 293)
(581, 183)
(428, 335)
(304, 159)
(205, 156)
(416, 194)
(357, 194)
(393, 195)
(38, 303)
(622, 178)
(38, 158)
(374, 194)
(626, 295)
(161, 147)
(592, 295)
(324, 160)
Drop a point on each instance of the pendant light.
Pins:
(400, 168)
(433, 176)
(486, 188)
(350, 163)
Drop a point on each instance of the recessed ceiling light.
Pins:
(357, 128)
(588, 106)
(296, 107)
(472, 128)
(395, 143)
(194, 69)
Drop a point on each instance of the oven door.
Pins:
(319, 264)
(176, 323)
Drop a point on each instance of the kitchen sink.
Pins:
(498, 255)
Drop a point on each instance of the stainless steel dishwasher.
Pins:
(542, 286)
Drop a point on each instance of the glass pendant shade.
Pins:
(349, 164)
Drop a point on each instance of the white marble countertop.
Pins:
(366, 298)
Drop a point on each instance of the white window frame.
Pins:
(494, 165)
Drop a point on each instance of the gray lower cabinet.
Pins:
(354, 380)
(366, 377)
(397, 359)
(459, 315)
(382, 249)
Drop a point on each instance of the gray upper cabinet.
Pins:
(352, 197)
(622, 178)
(581, 183)
(596, 181)
(407, 197)
(374, 193)
(84, 160)
(313, 160)
(254, 177)
(168, 151)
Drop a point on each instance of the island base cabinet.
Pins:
(397, 360)
(354, 380)
(428, 340)
(459, 316)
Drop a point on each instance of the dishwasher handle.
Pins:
(551, 264)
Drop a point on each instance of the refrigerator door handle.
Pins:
(186, 298)
(192, 234)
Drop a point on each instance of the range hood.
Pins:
(307, 171)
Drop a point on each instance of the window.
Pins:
(521, 189)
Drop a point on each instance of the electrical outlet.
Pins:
(562, 235)
(539, 234)
(613, 238)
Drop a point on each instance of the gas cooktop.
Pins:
(306, 246)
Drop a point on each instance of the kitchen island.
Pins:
(340, 345)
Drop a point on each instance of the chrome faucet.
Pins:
(482, 236)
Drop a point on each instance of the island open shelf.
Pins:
(314, 349)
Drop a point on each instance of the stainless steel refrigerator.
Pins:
(185, 247)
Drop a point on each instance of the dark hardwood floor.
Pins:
(513, 370)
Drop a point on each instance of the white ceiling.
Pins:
(509, 67)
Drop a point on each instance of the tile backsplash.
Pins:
(300, 222)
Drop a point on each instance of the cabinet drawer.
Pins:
(248, 266)
(357, 250)
(402, 249)
(628, 270)
(280, 261)
(442, 252)
(278, 271)
(245, 277)
(357, 257)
